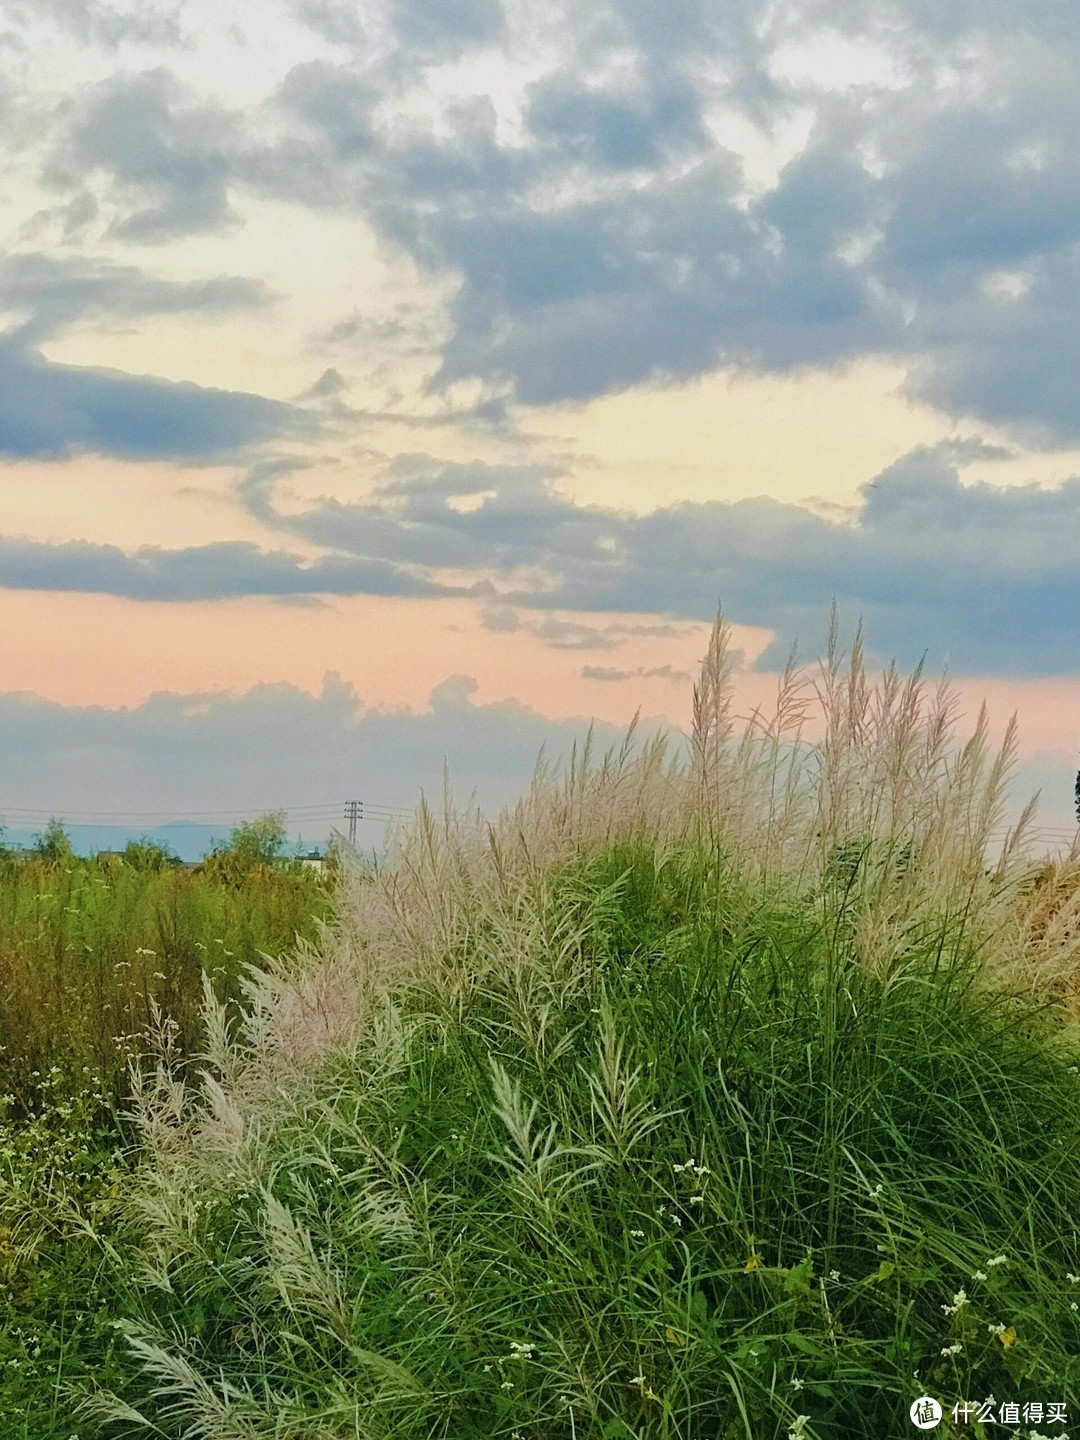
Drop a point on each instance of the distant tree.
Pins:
(53, 844)
(258, 842)
(251, 843)
(147, 853)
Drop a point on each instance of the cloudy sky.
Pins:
(390, 380)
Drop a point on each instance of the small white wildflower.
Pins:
(953, 1349)
(796, 1383)
(697, 1199)
(638, 1234)
(959, 1300)
(995, 1329)
(997, 1260)
(796, 1431)
(834, 1274)
(692, 1166)
(979, 1275)
(1072, 1279)
(639, 1380)
(1074, 1306)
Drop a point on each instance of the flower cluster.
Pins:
(693, 1167)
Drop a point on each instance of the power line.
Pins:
(163, 816)
(156, 814)
(313, 812)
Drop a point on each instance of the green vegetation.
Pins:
(99, 960)
(89, 947)
(736, 1099)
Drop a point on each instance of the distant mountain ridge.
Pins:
(187, 839)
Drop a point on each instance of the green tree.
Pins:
(53, 844)
(147, 853)
(258, 842)
(252, 843)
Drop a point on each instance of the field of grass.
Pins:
(87, 948)
(99, 960)
(733, 1096)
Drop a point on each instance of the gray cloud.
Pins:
(443, 29)
(173, 156)
(273, 745)
(988, 573)
(51, 411)
(334, 20)
(48, 410)
(931, 216)
(570, 634)
(219, 571)
(209, 753)
(53, 293)
(610, 675)
(154, 22)
(982, 575)
(612, 130)
(887, 235)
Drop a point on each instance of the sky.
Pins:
(388, 385)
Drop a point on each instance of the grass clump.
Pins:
(60, 1173)
(735, 1097)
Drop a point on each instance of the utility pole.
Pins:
(354, 810)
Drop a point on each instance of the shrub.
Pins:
(253, 846)
(148, 854)
(52, 844)
(727, 1096)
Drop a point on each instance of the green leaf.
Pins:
(805, 1344)
(798, 1279)
(883, 1272)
